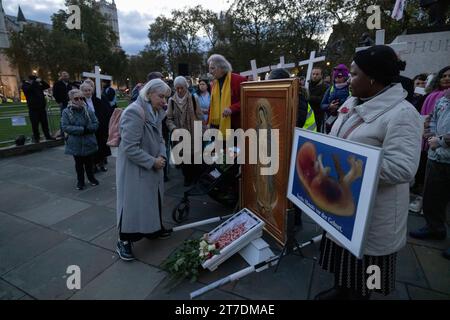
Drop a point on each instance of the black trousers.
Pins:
(83, 164)
(420, 175)
(39, 115)
(436, 195)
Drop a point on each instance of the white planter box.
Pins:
(253, 230)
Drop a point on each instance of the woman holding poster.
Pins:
(377, 114)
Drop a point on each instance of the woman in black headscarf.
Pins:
(377, 114)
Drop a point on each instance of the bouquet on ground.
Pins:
(186, 262)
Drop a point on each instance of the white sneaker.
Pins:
(416, 205)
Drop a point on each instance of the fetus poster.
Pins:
(334, 182)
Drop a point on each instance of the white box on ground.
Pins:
(256, 252)
(245, 220)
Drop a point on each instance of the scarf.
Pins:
(74, 108)
(430, 102)
(340, 85)
(184, 114)
(181, 101)
(221, 99)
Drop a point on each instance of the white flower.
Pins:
(211, 247)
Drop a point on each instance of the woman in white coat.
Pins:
(139, 169)
(377, 114)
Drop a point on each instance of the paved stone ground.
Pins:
(47, 225)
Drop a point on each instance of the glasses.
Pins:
(77, 98)
(339, 76)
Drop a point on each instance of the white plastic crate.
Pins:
(253, 230)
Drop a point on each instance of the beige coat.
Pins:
(391, 123)
(183, 117)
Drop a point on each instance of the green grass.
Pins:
(8, 132)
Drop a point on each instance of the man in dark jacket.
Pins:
(34, 93)
(317, 89)
(61, 90)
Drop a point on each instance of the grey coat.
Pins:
(391, 123)
(138, 183)
(79, 142)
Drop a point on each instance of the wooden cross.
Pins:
(98, 77)
(310, 62)
(379, 40)
(283, 65)
(254, 72)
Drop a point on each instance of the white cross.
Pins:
(254, 72)
(379, 40)
(283, 65)
(98, 77)
(310, 62)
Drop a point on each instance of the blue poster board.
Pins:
(334, 182)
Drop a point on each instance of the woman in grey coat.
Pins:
(139, 168)
(80, 125)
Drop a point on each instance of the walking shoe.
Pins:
(426, 233)
(416, 205)
(94, 182)
(80, 186)
(164, 234)
(124, 250)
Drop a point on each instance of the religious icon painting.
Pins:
(334, 182)
(268, 107)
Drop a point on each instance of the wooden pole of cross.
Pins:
(98, 77)
(283, 65)
(254, 71)
(310, 62)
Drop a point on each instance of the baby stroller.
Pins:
(218, 181)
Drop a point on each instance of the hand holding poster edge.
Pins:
(366, 192)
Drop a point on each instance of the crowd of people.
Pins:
(368, 103)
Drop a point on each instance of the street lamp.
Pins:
(328, 63)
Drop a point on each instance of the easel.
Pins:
(291, 244)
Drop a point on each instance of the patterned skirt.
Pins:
(353, 273)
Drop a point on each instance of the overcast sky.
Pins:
(134, 15)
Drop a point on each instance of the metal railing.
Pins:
(15, 121)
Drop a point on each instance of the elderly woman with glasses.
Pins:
(139, 169)
(103, 114)
(80, 125)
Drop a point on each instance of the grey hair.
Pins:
(155, 85)
(86, 84)
(180, 81)
(73, 92)
(220, 62)
(89, 82)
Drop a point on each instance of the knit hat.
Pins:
(340, 70)
(379, 63)
(279, 74)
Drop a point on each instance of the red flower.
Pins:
(344, 110)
